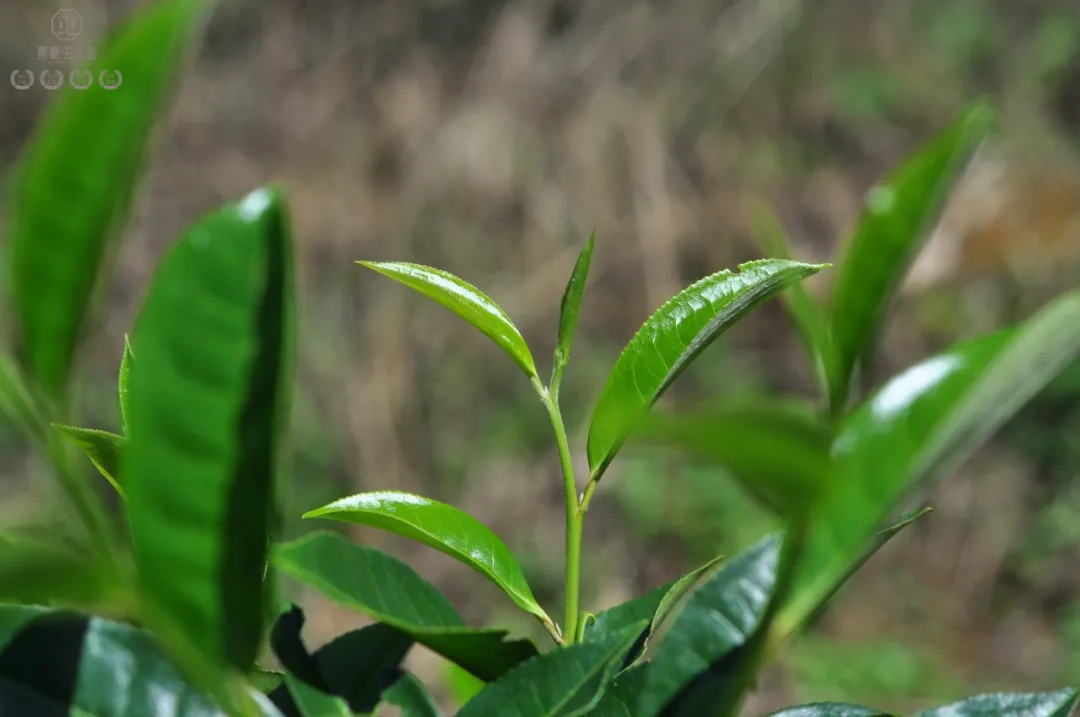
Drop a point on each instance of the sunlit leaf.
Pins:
(899, 211)
(199, 461)
(313, 703)
(829, 709)
(387, 590)
(920, 426)
(104, 450)
(73, 186)
(442, 527)
(466, 301)
(1061, 703)
(671, 338)
(122, 383)
(570, 309)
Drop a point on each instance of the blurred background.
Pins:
(488, 137)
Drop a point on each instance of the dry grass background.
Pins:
(488, 137)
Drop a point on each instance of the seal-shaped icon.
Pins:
(22, 79)
(110, 79)
(67, 24)
(51, 79)
(80, 79)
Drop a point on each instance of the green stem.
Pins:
(575, 518)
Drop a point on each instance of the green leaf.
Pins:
(442, 527)
(105, 450)
(671, 338)
(199, 461)
(564, 682)
(570, 309)
(266, 681)
(356, 666)
(387, 590)
(73, 186)
(36, 571)
(412, 697)
(918, 427)
(1061, 703)
(777, 450)
(829, 709)
(810, 320)
(466, 301)
(60, 662)
(654, 607)
(122, 383)
(889, 232)
(19, 404)
(313, 703)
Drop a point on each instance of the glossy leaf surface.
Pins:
(1060, 703)
(199, 461)
(104, 450)
(61, 664)
(566, 681)
(671, 338)
(570, 308)
(73, 186)
(829, 709)
(466, 301)
(412, 697)
(898, 213)
(387, 590)
(920, 426)
(778, 451)
(443, 527)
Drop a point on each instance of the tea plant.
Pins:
(167, 612)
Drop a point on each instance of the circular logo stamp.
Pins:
(81, 79)
(110, 79)
(67, 24)
(22, 79)
(51, 79)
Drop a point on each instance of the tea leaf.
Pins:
(386, 589)
(673, 337)
(570, 308)
(918, 427)
(466, 301)
(105, 450)
(1061, 703)
(34, 570)
(442, 527)
(829, 709)
(199, 461)
(313, 703)
(412, 697)
(898, 213)
(122, 383)
(562, 683)
(73, 187)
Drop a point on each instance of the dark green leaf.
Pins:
(778, 451)
(898, 213)
(671, 338)
(442, 527)
(1061, 703)
(313, 703)
(64, 664)
(564, 682)
(356, 666)
(199, 461)
(412, 697)
(122, 383)
(919, 427)
(570, 309)
(466, 301)
(810, 320)
(105, 450)
(73, 186)
(387, 590)
(829, 709)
